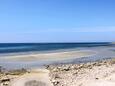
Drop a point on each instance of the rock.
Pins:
(6, 83)
(55, 70)
(96, 78)
(55, 82)
(5, 80)
(57, 76)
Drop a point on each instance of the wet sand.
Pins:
(50, 56)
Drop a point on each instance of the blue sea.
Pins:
(6, 48)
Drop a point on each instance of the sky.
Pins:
(57, 21)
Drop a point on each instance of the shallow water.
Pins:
(103, 52)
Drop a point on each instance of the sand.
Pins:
(39, 77)
(90, 74)
(50, 56)
(101, 73)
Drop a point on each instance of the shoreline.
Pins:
(56, 55)
(35, 60)
(84, 74)
(30, 60)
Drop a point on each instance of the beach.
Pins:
(50, 56)
(84, 67)
(100, 73)
(40, 59)
(57, 42)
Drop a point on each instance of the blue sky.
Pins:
(57, 20)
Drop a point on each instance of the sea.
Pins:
(6, 48)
